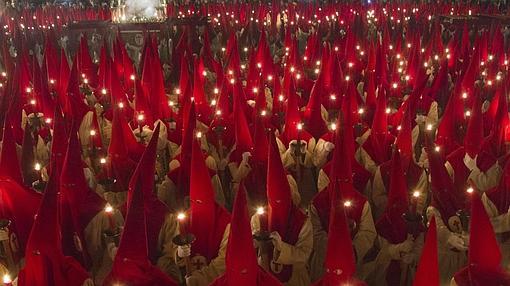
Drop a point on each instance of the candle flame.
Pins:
(37, 167)
(181, 216)
(108, 208)
(260, 210)
(7, 279)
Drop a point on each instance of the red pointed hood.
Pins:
(484, 255)
(155, 209)
(392, 225)
(241, 260)
(444, 196)
(9, 164)
(278, 190)
(313, 113)
(45, 263)
(474, 134)
(123, 151)
(244, 142)
(82, 203)
(483, 247)
(132, 262)
(207, 219)
(340, 263)
(404, 141)
(427, 273)
(380, 122)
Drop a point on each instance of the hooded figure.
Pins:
(484, 261)
(241, 259)
(445, 203)
(358, 211)
(399, 247)
(206, 220)
(291, 243)
(340, 262)
(497, 205)
(45, 263)
(131, 263)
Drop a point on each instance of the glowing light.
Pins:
(121, 105)
(361, 111)
(470, 190)
(395, 85)
(140, 117)
(468, 113)
(280, 97)
(48, 120)
(347, 78)
(437, 148)
(213, 102)
(232, 81)
(6, 279)
(52, 81)
(416, 194)
(388, 110)
(199, 134)
(171, 103)
(85, 81)
(429, 127)
(4, 74)
(181, 216)
(32, 102)
(218, 112)
(351, 65)
(260, 210)
(132, 77)
(347, 204)
(464, 95)
(102, 161)
(269, 77)
(108, 208)
(300, 126)
(103, 91)
(498, 77)
(332, 126)
(92, 132)
(177, 91)
(255, 90)
(28, 89)
(332, 97)
(263, 113)
(37, 167)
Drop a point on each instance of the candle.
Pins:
(108, 209)
(182, 220)
(414, 201)
(7, 280)
(37, 168)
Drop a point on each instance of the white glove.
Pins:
(184, 250)
(398, 251)
(246, 156)
(328, 146)
(409, 258)
(465, 238)
(112, 250)
(456, 242)
(191, 280)
(88, 282)
(276, 239)
(292, 145)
